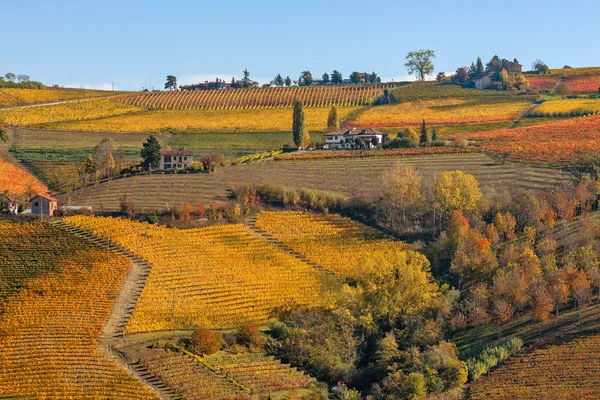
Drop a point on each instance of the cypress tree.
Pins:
(333, 121)
(298, 123)
(424, 138)
(479, 71)
(434, 134)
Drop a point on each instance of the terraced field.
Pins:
(347, 177)
(56, 291)
(217, 277)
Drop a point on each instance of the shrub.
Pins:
(491, 357)
(200, 209)
(248, 334)
(204, 341)
(153, 219)
(290, 197)
(127, 207)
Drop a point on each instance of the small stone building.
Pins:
(43, 205)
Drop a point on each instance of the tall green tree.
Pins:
(325, 77)
(246, 81)
(434, 134)
(424, 137)
(336, 77)
(288, 81)
(420, 63)
(333, 121)
(278, 80)
(171, 83)
(150, 153)
(305, 78)
(298, 126)
(479, 70)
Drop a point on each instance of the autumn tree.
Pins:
(394, 284)
(333, 121)
(420, 63)
(400, 196)
(90, 166)
(456, 190)
(298, 127)
(563, 89)
(109, 164)
(204, 341)
(541, 303)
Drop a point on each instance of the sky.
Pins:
(98, 43)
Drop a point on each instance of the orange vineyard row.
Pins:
(56, 291)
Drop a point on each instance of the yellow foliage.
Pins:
(214, 277)
(457, 190)
(584, 106)
(77, 110)
(32, 96)
(49, 326)
(335, 243)
(238, 120)
(439, 111)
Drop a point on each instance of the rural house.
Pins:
(354, 138)
(176, 159)
(43, 205)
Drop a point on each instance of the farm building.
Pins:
(176, 159)
(43, 205)
(354, 138)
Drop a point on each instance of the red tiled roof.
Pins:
(176, 153)
(355, 131)
(46, 197)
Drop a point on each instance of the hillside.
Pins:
(12, 97)
(311, 96)
(56, 291)
(344, 176)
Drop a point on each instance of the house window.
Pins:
(36, 204)
(167, 165)
(185, 158)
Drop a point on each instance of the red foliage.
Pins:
(558, 142)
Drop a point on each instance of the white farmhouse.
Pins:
(355, 138)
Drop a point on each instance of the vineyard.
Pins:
(558, 142)
(215, 277)
(311, 96)
(442, 111)
(260, 373)
(566, 108)
(189, 378)
(10, 97)
(18, 183)
(227, 120)
(71, 111)
(55, 294)
(228, 376)
(336, 243)
(354, 176)
(567, 371)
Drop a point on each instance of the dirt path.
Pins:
(129, 293)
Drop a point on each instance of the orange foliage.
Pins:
(558, 142)
(18, 183)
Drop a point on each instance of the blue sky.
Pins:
(99, 42)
